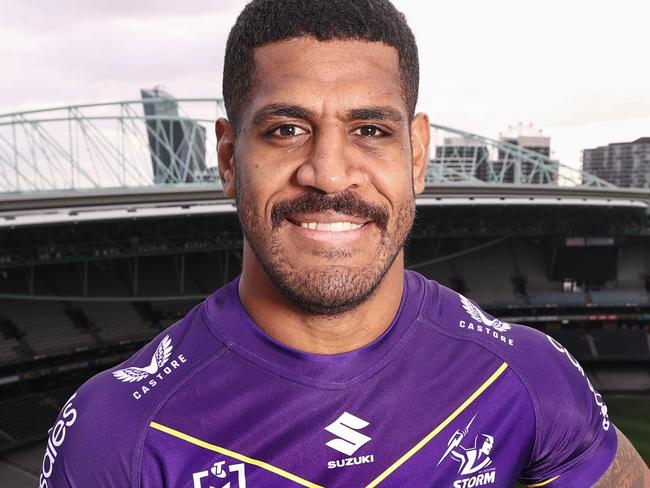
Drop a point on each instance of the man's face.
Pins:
(323, 164)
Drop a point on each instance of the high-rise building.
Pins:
(625, 164)
(510, 163)
(459, 157)
(176, 144)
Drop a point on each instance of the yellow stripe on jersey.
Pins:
(543, 482)
(440, 427)
(233, 454)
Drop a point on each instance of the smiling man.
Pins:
(326, 363)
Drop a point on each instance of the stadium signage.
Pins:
(589, 241)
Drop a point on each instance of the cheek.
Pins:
(258, 184)
(395, 185)
(265, 173)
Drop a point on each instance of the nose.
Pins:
(330, 166)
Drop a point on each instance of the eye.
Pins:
(369, 131)
(288, 130)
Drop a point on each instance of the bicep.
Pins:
(627, 469)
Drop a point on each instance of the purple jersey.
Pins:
(448, 396)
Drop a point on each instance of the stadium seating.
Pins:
(555, 298)
(116, 321)
(621, 378)
(626, 344)
(631, 267)
(27, 418)
(53, 327)
(530, 263)
(488, 273)
(47, 327)
(618, 297)
(173, 310)
(9, 350)
(22, 466)
(513, 273)
(575, 341)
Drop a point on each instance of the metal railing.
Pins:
(120, 145)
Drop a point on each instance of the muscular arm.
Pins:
(627, 469)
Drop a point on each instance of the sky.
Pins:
(578, 70)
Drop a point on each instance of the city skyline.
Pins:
(573, 70)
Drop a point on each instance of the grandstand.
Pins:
(96, 259)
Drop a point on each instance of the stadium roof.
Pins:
(75, 206)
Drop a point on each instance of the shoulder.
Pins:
(543, 365)
(573, 433)
(531, 353)
(459, 316)
(95, 440)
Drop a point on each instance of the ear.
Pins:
(226, 156)
(420, 137)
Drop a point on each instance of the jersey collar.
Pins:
(226, 316)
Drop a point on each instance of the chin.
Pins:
(328, 289)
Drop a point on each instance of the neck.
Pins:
(319, 334)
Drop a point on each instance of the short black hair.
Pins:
(266, 21)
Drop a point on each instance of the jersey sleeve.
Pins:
(91, 443)
(575, 441)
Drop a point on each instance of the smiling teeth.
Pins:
(331, 227)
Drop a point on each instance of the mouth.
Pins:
(331, 227)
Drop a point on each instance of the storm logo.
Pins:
(472, 459)
(159, 359)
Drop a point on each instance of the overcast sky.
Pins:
(578, 70)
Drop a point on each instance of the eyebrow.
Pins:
(296, 111)
(280, 110)
(374, 113)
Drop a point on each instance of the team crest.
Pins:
(471, 458)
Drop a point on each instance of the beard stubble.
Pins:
(331, 289)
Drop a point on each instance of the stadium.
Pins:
(113, 225)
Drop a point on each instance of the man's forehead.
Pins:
(309, 50)
(304, 70)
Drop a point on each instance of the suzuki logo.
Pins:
(345, 428)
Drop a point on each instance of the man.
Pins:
(325, 363)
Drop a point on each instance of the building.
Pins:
(625, 164)
(459, 157)
(518, 168)
(176, 144)
(524, 159)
